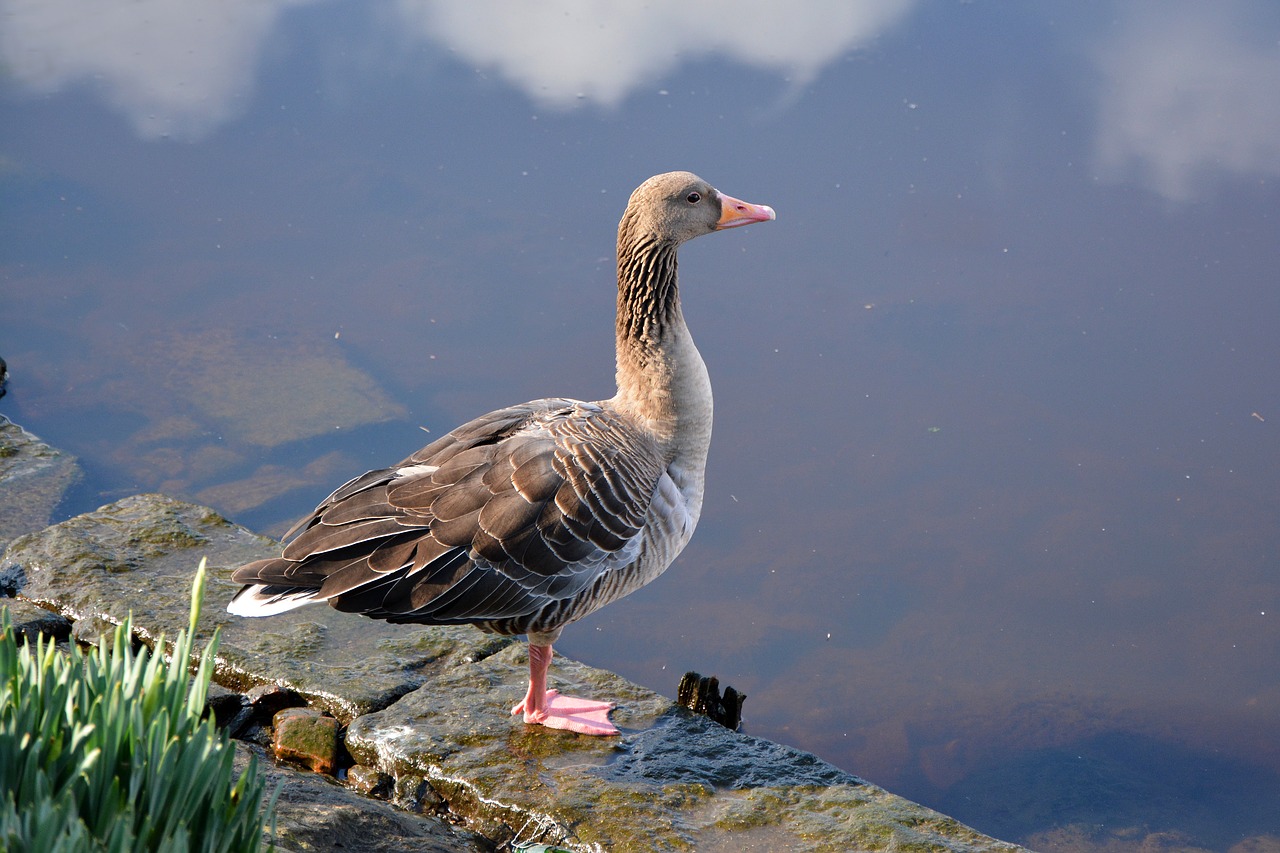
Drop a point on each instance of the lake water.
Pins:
(992, 503)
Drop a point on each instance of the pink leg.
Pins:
(548, 708)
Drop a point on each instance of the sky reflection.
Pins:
(184, 68)
(1183, 90)
(1188, 95)
(177, 69)
(994, 481)
(563, 53)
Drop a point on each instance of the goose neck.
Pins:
(662, 380)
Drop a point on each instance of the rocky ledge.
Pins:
(424, 712)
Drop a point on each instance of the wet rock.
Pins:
(430, 708)
(33, 479)
(88, 630)
(231, 710)
(139, 555)
(29, 621)
(691, 749)
(267, 700)
(307, 737)
(11, 578)
(315, 813)
(672, 781)
(370, 781)
(414, 793)
(701, 695)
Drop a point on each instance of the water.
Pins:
(992, 503)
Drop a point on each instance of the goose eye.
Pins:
(693, 198)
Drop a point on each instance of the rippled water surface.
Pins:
(992, 503)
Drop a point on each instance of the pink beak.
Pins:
(734, 212)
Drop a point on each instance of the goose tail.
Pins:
(262, 599)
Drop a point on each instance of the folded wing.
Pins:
(504, 518)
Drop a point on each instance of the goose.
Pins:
(533, 516)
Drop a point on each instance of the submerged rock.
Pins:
(267, 390)
(191, 405)
(33, 479)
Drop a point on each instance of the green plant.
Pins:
(107, 750)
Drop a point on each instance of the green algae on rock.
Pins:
(308, 737)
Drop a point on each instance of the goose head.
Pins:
(678, 206)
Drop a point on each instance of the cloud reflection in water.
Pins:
(175, 68)
(1185, 91)
(181, 68)
(1189, 92)
(581, 50)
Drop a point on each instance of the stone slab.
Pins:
(430, 708)
(672, 781)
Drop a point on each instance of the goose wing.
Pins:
(505, 515)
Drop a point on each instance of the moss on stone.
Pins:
(307, 737)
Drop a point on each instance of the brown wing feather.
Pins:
(504, 516)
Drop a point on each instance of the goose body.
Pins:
(530, 517)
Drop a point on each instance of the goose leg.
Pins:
(548, 708)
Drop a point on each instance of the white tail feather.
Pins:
(255, 600)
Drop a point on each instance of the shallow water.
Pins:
(992, 504)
